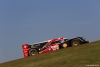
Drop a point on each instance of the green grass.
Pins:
(79, 56)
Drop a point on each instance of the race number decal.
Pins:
(55, 47)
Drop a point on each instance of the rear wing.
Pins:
(25, 49)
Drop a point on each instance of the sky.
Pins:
(32, 21)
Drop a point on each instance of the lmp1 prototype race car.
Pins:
(51, 45)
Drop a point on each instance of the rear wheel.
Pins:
(75, 42)
(33, 52)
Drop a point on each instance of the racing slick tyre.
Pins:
(75, 42)
(64, 45)
(33, 52)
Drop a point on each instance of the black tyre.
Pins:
(33, 52)
(75, 42)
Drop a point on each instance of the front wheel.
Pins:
(33, 52)
(75, 42)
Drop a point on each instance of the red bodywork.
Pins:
(49, 47)
(25, 50)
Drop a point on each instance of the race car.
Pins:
(51, 45)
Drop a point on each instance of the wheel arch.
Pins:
(74, 39)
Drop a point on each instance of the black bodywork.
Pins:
(81, 40)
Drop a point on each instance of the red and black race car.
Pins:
(51, 45)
